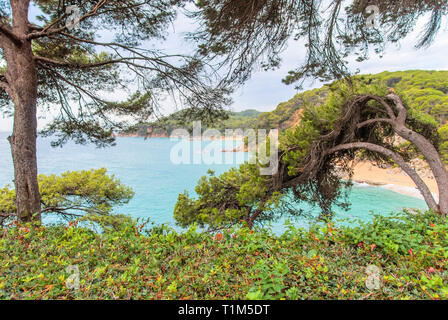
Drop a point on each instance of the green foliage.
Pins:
(281, 117)
(77, 70)
(328, 261)
(426, 95)
(403, 232)
(302, 145)
(239, 120)
(238, 194)
(7, 203)
(443, 148)
(425, 91)
(320, 119)
(92, 192)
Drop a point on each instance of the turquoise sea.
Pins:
(145, 165)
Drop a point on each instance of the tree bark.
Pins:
(21, 76)
(427, 149)
(435, 163)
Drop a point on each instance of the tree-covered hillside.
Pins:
(422, 90)
(182, 119)
(286, 112)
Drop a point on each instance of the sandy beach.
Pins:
(391, 178)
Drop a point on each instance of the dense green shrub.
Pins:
(224, 200)
(326, 262)
(91, 193)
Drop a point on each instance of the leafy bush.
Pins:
(92, 192)
(325, 262)
(223, 201)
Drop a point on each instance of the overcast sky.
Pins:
(264, 91)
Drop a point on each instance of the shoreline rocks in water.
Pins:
(241, 148)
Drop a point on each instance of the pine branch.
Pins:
(8, 33)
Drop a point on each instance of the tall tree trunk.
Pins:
(427, 149)
(23, 147)
(435, 163)
(21, 75)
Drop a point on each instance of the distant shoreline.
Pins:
(213, 138)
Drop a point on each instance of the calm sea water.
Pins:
(145, 166)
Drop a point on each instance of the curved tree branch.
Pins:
(426, 148)
(7, 32)
(48, 30)
(370, 121)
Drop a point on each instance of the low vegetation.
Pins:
(328, 261)
(90, 194)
